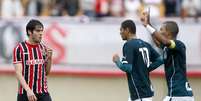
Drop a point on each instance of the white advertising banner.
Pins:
(92, 43)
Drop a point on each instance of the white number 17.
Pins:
(145, 55)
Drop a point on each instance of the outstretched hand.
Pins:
(145, 17)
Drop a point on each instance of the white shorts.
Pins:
(185, 98)
(143, 99)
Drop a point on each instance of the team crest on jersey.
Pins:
(44, 52)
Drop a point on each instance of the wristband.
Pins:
(150, 29)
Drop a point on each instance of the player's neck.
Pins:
(132, 36)
(30, 41)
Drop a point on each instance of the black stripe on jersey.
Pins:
(43, 79)
(36, 71)
(18, 55)
(43, 70)
(26, 67)
(41, 46)
(24, 47)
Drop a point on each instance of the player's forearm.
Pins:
(159, 61)
(48, 66)
(124, 67)
(156, 35)
(158, 44)
(20, 78)
(22, 82)
(161, 39)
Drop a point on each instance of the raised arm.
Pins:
(157, 36)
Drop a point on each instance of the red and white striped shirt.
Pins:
(32, 58)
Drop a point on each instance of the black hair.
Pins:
(130, 25)
(172, 27)
(32, 24)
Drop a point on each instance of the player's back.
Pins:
(139, 54)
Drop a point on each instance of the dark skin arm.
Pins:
(158, 44)
(157, 36)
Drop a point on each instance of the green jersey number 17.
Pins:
(145, 55)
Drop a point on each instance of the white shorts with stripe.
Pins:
(143, 99)
(185, 98)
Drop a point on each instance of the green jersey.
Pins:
(139, 54)
(175, 70)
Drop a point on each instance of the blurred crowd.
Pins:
(99, 8)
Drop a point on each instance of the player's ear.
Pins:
(127, 30)
(29, 32)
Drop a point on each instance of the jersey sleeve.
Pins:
(176, 45)
(17, 55)
(155, 58)
(127, 54)
(124, 66)
(153, 54)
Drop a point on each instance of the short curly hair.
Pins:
(172, 27)
(130, 25)
(32, 24)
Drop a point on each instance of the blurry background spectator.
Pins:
(170, 7)
(102, 8)
(71, 7)
(34, 8)
(191, 8)
(156, 7)
(88, 7)
(116, 8)
(132, 8)
(11, 8)
(56, 7)
(65, 8)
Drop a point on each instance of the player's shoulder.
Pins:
(19, 44)
(131, 43)
(136, 42)
(179, 43)
(144, 43)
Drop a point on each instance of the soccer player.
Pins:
(136, 62)
(174, 56)
(32, 62)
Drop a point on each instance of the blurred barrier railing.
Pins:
(69, 71)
